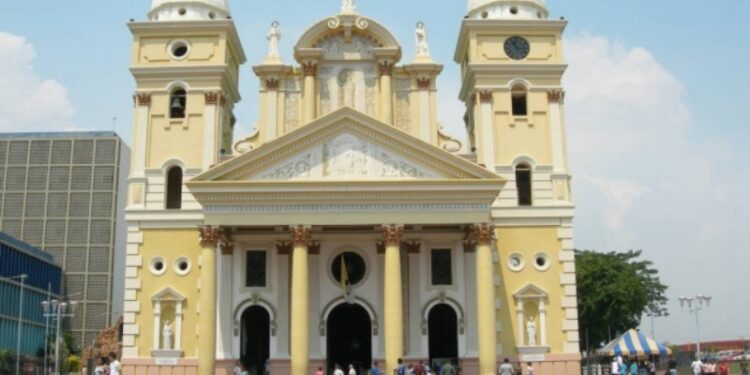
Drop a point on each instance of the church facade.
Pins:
(349, 227)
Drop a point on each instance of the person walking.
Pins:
(419, 369)
(723, 369)
(672, 366)
(400, 369)
(615, 366)
(320, 371)
(529, 369)
(337, 370)
(743, 368)
(697, 366)
(115, 367)
(374, 369)
(634, 367)
(506, 368)
(447, 369)
(352, 371)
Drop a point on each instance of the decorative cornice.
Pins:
(214, 98)
(310, 69)
(386, 68)
(227, 248)
(392, 234)
(272, 84)
(484, 233)
(313, 248)
(210, 236)
(485, 96)
(301, 234)
(424, 83)
(469, 246)
(556, 96)
(143, 99)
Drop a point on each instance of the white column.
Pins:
(140, 134)
(520, 318)
(178, 326)
(224, 305)
(542, 323)
(157, 325)
(488, 132)
(210, 130)
(556, 128)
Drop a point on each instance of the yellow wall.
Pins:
(180, 139)
(522, 135)
(153, 50)
(489, 47)
(169, 244)
(528, 242)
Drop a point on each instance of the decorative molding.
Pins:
(310, 68)
(296, 208)
(424, 83)
(380, 247)
(255, 300)
(484, 233)
(556, 96)
(210, 236)
(301, 234)
(214, 98)
(469, 246)
(392, 234)
(485, 96)
(143, 99)
(284, 248)
(442, 298)
(227, 248)
(413, 247)
(386, 68)
(272, 84)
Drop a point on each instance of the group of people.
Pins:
(710, 367)
(622, 366)
(108, 365)
(506, 368)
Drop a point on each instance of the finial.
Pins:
(348, 6)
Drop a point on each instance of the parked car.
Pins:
(741, 356)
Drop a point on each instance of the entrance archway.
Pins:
(349, 337)
(255, 340)
(443, 334)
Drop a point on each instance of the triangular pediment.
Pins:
(346, 145)
(168, 294)
(530, 291)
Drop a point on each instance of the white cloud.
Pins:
(27, 101)
(645, 180)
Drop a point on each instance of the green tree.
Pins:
(614, 291)
(6, 366)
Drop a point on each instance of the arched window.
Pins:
(177, 103)
(174, 188)
(523, 184)
(519, 100)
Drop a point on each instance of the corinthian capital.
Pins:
(210, 236)
(392, 234)
(301, 234)
(484, 233)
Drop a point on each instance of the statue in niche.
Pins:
(273, 36)
(421, 34)
(166, 336)
(348, 6)
(531, 332)
(348, 89)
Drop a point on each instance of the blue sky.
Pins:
(657, 114)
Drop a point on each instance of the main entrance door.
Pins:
(349, 337)
(256, 336)
(443, 330)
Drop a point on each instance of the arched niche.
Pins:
(442, 299)
(359, 301)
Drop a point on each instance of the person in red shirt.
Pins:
(723, 369)
(419, 369)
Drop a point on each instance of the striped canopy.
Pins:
(633, 343)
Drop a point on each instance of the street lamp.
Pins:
(20, 320)
(58, 310)
(694, 306)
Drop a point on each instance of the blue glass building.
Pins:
(17, 258)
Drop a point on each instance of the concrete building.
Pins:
(348, 227)
(44, 279)
(61, 192)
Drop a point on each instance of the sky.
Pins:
(656, 116)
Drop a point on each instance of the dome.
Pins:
(507, 9)
(188, 10)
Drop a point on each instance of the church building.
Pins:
(348, 227)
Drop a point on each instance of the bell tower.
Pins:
(185, 61)
(512, 65)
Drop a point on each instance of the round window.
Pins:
(542, 262)
(348, 268)
(179, 49)
(182, 11)
(514, 10)
(516, 262)
(182, 266)
(157, 266)
(485, 14)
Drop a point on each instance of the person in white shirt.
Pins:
(529, 369)
(615, 370)
(114, 365)
(697, 366)
(352, 371)
(506, 368)
(338, 370)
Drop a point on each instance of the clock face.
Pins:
(517, 48)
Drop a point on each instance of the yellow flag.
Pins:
(344, 274)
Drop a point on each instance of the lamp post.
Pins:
(694, 306)
(58, 310)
